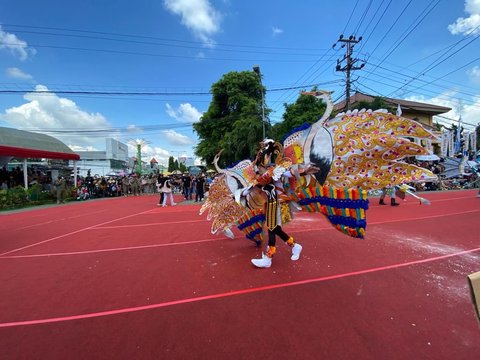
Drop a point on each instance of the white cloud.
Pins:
(149, 152)
(16, 73)
(474, 73)
(134, 129)
(199, 16)
(77, 148)
(184, 113)
(470, 24)
(47, 111)
(276, 31)
(16, 46)
(470, 112)
(176, 139)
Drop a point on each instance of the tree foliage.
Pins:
(171, 164)
(174, 164)
(306, 110)
(233, 121)
(376, 104)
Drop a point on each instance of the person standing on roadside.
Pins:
(125, 185)
(167, 190)
(187, 183)
(61, 187)
(135, 184)
(160, 182)
(200, 184)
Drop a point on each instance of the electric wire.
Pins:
(136, 53)
(409, 30)
(434, 65)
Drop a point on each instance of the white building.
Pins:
(187, 160)
(113, 160)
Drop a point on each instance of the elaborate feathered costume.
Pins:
(330, 165)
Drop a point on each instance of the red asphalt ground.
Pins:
(123, 279)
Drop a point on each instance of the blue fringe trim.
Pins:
(254, 233)
(338, 203)
(347, 221)
(232, 165)
(298, 128)
(251, 221)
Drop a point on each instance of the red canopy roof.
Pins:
(26, 144)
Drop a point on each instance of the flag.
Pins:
(457, 143)
(444, 144)
(399, 110)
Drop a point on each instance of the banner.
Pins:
(473, 140)
(444, 144)
(451, 147)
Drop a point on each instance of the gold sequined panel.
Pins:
(220, 205)
(285, 213)
(367, 146)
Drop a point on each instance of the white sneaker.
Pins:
(296, 251)
(264, 262)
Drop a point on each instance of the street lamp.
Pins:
(256, 69)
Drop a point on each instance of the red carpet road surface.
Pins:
(124, 279)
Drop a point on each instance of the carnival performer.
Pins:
(326, 167)
(269, 179)
(390, 191)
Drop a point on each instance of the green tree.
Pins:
(306, 110)
(376, 104)
(233, 121)
(182, 167)
(171, 164)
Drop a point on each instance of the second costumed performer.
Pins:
(269, 176)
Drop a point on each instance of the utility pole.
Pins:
(349, 63)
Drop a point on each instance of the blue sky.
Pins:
(423, 50)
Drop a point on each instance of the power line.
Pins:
(142, 93)
(392, 26)
(385, 75)
(350, 17)
(438, 62)
(151, 37)
(447, 74)
(406, 107)
(407, 32)
(373, 17)
(442, 97)
(376, 24)
(169, 45)
(415, 77)
(362, 18)
(136, 53)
